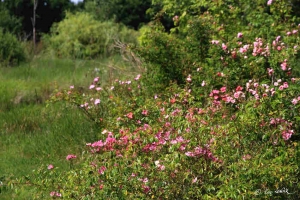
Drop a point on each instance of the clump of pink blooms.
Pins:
(70, 157)
(296, 100)
(285, 127)
(55, 194)
(232, 97)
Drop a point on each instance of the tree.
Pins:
(129, 12)
(8, 22)
(47, 12)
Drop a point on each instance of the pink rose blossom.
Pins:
(52, 194)
(102, 169)
(224, 47)
(96, 79)
(281, 87)
(57, 194)
(269, 2)
(50, 167)
(240, 35)
(294, 101)
(223, 89)
(97, 101)
(71, 156)
(284, 66)
(137, 77)
(145, 112)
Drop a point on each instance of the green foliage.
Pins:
(11, 50)
(9, 23)
(132, 13)
(173, 147)
(176, 54)
(81, 36)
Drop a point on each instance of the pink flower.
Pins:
(50, 167)
(145, 180)
(72, 87)
(190, 154)
(294, 101)
(269, 2)
(270, 71)
(189, 78)
(281, 87)
(284, 66)
(215, 41)
(52, 194)
(137, 77)
(96, 79)
(278, 38)
(223, 89)
(97, 101)
(71, 156)
(145, 112)
(295, 31)
(238, 88)
(194, 180)
(288, 33)
(130, 115)
(98, 88)
(224, 47)
(203, 83)
(285, 85)
(102, 169)
(240, 35)
(287, 134)
(92, 86)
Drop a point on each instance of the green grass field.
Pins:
(33, 133)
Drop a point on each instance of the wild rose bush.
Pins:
(171, 146)
(228, 129)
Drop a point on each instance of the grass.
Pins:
(33, 134)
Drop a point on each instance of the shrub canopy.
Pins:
(81, 36)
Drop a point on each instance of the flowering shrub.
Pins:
(228, 130)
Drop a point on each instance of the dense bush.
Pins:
(197, 24)
(11, 50)
(81, 36)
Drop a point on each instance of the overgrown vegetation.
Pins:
(206, 110)
(11, 51)
(81, 36)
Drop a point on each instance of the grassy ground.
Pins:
(33, 134)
